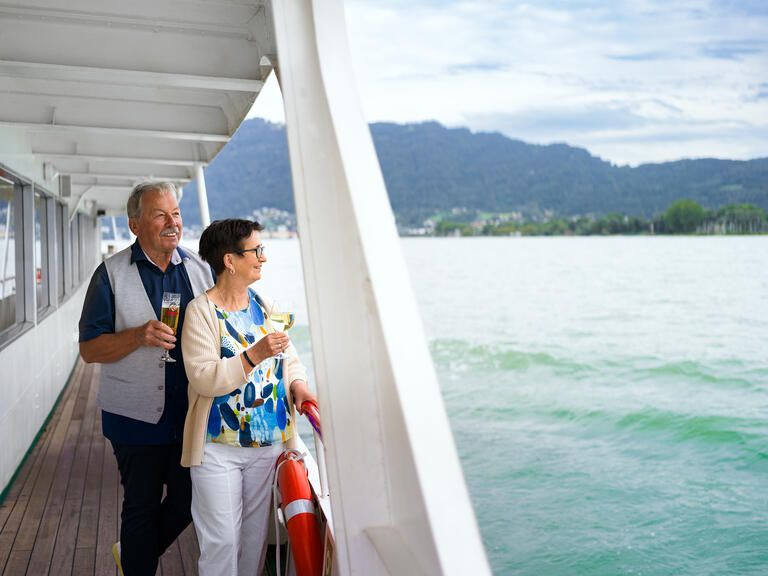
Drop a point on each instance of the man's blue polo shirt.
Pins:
(98, 318)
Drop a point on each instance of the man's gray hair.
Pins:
(133, 207)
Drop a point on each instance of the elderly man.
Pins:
(144, 399)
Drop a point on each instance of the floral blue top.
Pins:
(257, 415)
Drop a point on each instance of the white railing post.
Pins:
(321, 471)
(202, 196)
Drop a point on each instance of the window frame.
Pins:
(68, 251)
(59, 284)
(74, 236)
(41, 223)
(6, 256)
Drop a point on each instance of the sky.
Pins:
(632, 81)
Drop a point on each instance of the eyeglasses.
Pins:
(259, 251)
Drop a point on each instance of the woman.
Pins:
(239, 402)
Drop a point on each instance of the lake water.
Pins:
(608, 396)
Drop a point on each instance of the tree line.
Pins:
(681, 217)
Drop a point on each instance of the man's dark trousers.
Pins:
(150, 523)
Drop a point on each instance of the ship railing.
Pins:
(318, 478)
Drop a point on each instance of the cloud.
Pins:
(640, 56)
(626, 137)
(561, 123)
(734, 50)
(476, 67)
(582, 71)
(744, 7)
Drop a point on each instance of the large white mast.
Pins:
(399, 500)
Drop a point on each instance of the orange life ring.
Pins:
(299, 514)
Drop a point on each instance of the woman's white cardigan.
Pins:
(210, 375)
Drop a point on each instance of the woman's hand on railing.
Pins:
(306, 403)
(300, 393)
(310, 411)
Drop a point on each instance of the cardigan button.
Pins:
(160, 387)
(159, 409)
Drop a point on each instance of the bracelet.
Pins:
(248, 359)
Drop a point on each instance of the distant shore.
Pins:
(682, 217)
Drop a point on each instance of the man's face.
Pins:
(159, 224)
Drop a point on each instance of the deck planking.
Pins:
(61, 513)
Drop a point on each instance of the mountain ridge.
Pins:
(430, 169)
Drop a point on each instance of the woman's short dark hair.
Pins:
(225, 237)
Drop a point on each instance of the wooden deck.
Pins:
(61, 514)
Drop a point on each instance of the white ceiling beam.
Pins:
(107, 188)
(132, 132)
(130, 177)
(115, 20)
(125, 77)
(130, 159)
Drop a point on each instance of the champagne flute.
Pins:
(281, 321)
(169, 315)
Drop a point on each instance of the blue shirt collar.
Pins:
(137, 253)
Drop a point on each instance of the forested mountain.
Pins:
(429, 168)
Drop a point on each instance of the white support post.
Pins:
(202, 196)
(321, 466)
(399, 501)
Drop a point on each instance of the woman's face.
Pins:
(247, 264)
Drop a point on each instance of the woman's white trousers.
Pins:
(231, 496)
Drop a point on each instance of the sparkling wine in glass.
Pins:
(281, 321)
(169, 315)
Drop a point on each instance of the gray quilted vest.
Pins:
(135, 386)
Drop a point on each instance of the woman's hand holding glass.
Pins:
(281, 319)
(271, 345)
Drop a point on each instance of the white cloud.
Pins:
(638, 81)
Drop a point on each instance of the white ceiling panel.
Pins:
(111, 92)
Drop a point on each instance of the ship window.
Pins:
(41, 251)
(83, 247)
(86, 244)
(7, 256)
(61, 226)
(74, 239)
